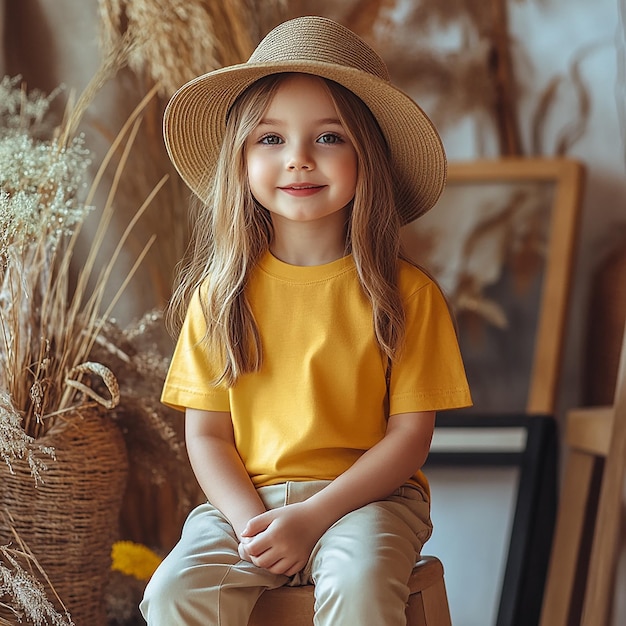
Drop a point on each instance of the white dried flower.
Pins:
(40, 186)
(17, 111)
(27, 594)
(16, 444)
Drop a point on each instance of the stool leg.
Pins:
(429, 607)
(436, 607)
(415, 615)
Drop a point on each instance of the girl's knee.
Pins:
(173, 591)
(364, 596)
(366, 578)
(163, 590)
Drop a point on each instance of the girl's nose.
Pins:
(299, 159)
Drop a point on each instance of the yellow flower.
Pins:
(134, 559)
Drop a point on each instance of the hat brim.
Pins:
(195, 122)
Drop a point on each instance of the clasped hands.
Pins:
(281, 540)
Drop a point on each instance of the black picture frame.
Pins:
(535, 454)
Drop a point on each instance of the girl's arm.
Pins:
(382, 469)
(218, 467)
(281, 540)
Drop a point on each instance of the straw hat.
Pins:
(195, 118)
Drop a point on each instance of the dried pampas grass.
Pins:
(177, 40)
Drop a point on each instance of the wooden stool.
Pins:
(293, 606)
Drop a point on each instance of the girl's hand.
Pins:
(281, 540)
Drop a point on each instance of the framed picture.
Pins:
(501, 242)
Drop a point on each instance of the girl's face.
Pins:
(301, 165)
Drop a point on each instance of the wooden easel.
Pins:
(606, 538)
(581, 576)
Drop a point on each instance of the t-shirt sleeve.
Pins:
(188, 382)
(429, 375)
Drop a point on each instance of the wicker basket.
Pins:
(71, 521)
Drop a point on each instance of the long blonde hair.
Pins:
(232, 231)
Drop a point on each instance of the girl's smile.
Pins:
(302, 190)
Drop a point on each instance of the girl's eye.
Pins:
(270, 140)
(330, 138)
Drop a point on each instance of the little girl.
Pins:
(311, 357)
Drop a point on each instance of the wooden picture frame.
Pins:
(563, 179)
(520, 439)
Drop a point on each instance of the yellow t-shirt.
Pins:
(318, 401)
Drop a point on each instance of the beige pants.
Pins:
(360, 566)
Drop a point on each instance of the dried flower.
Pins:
(17, 111)
(47, 328)
(134, 559)
(16, 444)
(28, 596)
(40, 179)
